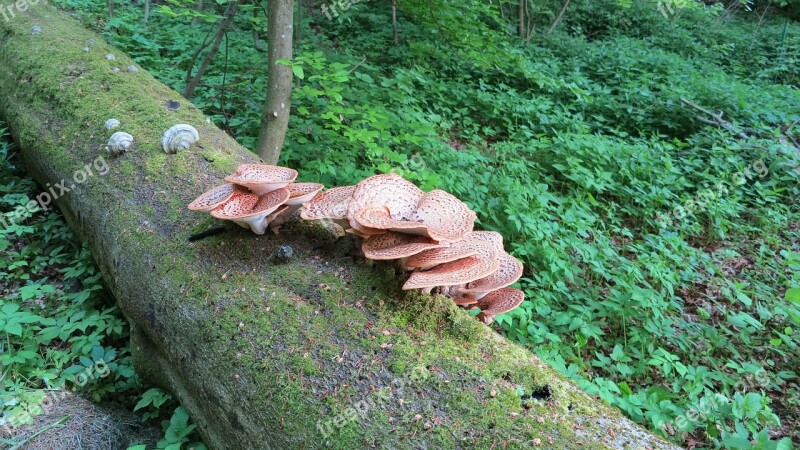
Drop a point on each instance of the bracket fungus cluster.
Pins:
(257, 196)
(431, 234)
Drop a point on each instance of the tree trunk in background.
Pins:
(394, 22)
(320, 351)
(257, 44)
(522, 29)
(298, 23)
(558, 17)
(275, 116)
(193, 81)
(199, 8)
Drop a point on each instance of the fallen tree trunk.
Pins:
(322, 351)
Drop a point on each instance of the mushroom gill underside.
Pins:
(430, 234)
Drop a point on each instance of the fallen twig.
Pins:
(716, 119)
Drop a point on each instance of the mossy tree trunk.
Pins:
(323, 351)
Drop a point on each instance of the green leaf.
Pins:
(10, 308)
(298, 71)
(793, 295)
(784, 444)
(98, 353)
(14, 328)
(180, 417)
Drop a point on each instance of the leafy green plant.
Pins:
(58, 330)
(153, 398)
(177, 431)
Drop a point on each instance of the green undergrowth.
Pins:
(60, 328)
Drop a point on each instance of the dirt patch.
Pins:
(74, 422)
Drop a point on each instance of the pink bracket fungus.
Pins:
(389, 202)
(459, 271)
(429, 233)
(300, 193)
(331, 204)
(465, 301)
(499, 302)
(391, 191)
(509, 272)
(279, 217)
(213, 198)
(441, 225)
(249, 213)
(396, 246)
(487, 244)
(262, 178)
(447, 218)
(239, 204)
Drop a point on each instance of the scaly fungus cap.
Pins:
(398, 195)
(498, 302)
(331, 204)
(212, 198)
(377, 219)
(262, 178)
(254, 217)
(300, 193)
(395, 246)
(447, 218)
(459, 271)
(509, 272)
(485, 244)
(438, 215)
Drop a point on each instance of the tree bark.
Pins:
(558, 17)
(194, 81)
(394, 23)
(322, 351)
(298, 23)
(200, 7)
(275, 116)
(521, 21)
